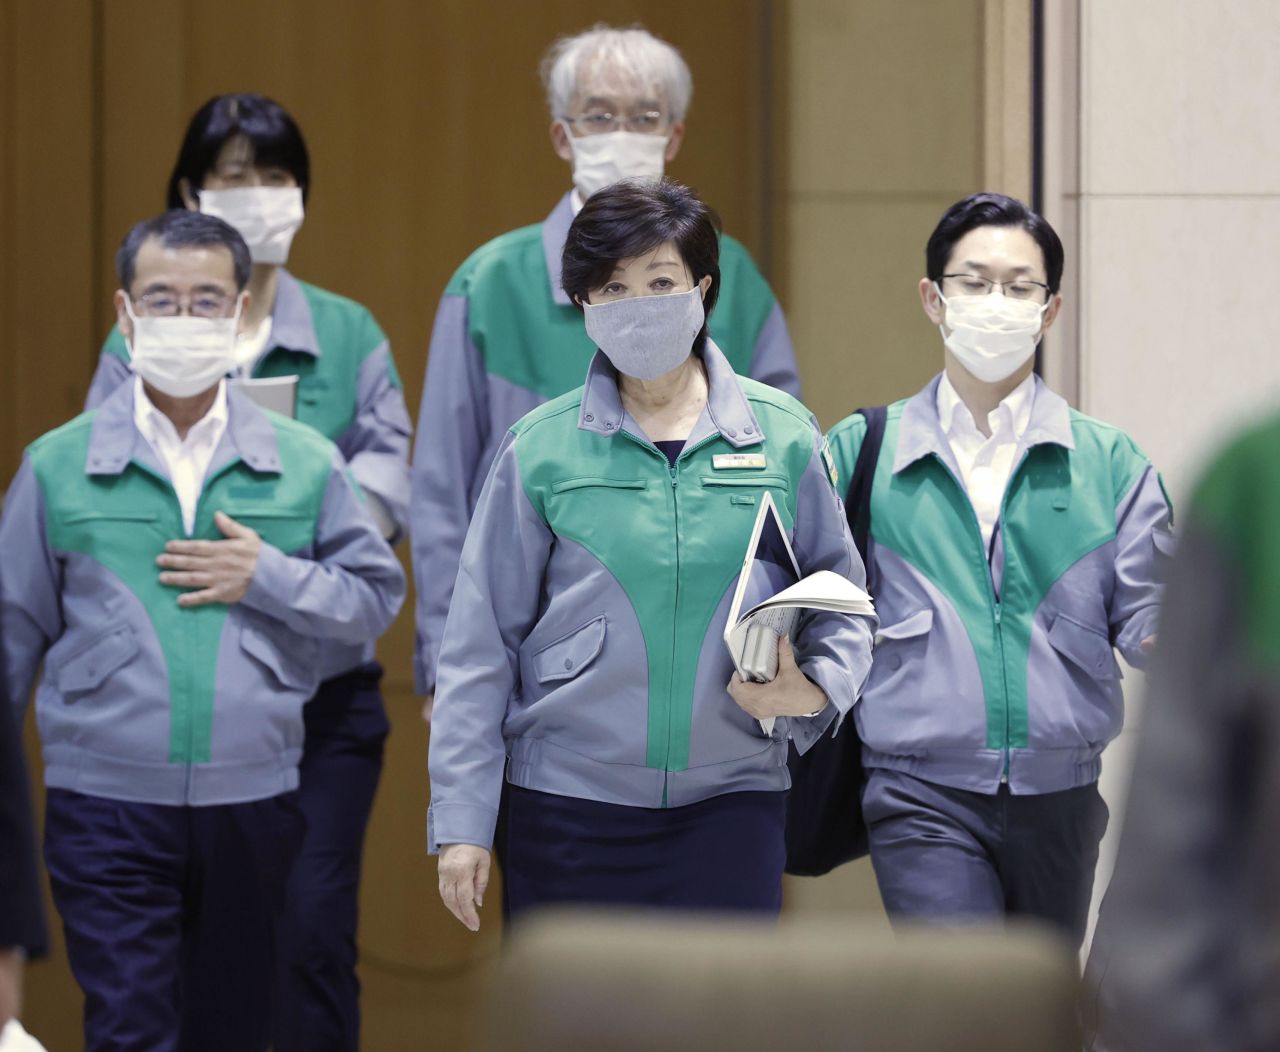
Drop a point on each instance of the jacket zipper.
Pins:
(996, 605)
(1004, 667)
(191, 636)
(188, 672)
(675, 621)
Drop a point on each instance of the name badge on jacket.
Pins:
(732, 461)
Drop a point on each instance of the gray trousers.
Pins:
(950, 854)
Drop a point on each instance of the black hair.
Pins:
(276, 140)
(181, 228)
(988, 209)
(632, 217)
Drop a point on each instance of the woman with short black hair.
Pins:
(244, 159)
(583, 654)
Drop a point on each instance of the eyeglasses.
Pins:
(1017, 289)
(648, 122)
(203, 305)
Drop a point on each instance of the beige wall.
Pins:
(1180, 219)
(1165, 182)
(893, 112)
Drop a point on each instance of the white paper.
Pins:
(14, 1039)
(770, 582)
(277, 393)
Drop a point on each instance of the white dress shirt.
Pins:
(985, 463)
(186, 459)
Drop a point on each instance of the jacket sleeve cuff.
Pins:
(422, 684)
(1129, 639)
(459, 824)
(272, 584)
(834, 683)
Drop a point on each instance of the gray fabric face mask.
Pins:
(646, 336)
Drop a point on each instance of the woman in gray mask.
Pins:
(583, 655)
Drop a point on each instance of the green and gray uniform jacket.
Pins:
(999, 667)
(507, 339)
(145, 700)
(585, 639)
(348, 390)
(1185, 956)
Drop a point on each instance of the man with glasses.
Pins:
(178, 558)
(506, 337)
(1012, 547)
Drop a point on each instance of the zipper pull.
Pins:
(997, 608)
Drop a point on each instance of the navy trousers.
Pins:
(170, 914)
(721, 854)
(318, 994)
(948, 854)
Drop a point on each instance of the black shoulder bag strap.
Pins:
(857, 503)
(824, 808)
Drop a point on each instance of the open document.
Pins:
(277, 393)
(771, 595)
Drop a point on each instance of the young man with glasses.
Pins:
(178, 559)
(1013, 546)
(506, 338)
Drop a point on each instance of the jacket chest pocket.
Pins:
(744, 491)
(600, 510)
(728, 507)
(594, 482)
(289, 529)
(117, 532)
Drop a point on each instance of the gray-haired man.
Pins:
(506, 338)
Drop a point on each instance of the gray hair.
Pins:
(635, 51)
(179, 228)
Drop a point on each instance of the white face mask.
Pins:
(182, 356)
(647, 336)
(602, 160)
(992, 336)
(266, 217)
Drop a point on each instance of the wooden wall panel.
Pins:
(48, 52)
(46, 215)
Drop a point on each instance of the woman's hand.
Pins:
(790, 693)
(464, 875)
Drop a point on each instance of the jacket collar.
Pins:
(920, 429)
(555, 231)
(115, 440)
(727, 412)
(292, 326)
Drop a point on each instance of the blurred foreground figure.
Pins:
(1186, 954)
